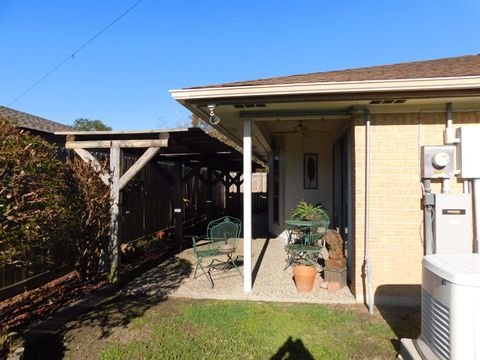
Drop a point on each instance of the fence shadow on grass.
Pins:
(49, 340)
(292, 350)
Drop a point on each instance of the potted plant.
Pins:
(307, 211)
(304, 275)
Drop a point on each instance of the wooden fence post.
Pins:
(178, 203)
(114, 245)
(209, 193)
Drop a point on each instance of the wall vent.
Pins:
(387, 101)
(249, 106)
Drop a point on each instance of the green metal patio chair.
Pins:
(305, 240)
(221, 239)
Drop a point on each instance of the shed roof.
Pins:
(32, 122)
(461, 66)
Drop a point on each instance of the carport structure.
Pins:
(189, 150)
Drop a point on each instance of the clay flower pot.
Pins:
(160, 234)
(304, 276)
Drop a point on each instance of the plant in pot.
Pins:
(307, 211)
(304, 275)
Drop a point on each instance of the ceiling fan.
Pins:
(301, 130)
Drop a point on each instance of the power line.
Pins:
(73, 54)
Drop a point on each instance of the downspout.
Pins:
(476, 213)
(367, 263)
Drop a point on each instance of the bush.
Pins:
(46, 204)
(92, 208)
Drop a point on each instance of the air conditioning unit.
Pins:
(450, 310)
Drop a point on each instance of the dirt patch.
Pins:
(31, 305)
(85, 342)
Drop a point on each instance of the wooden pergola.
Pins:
(180, 146)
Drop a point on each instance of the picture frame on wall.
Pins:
(310, 171)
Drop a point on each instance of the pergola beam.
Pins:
(116, 181)
(105, 144)
(87, 157)
(137, 166)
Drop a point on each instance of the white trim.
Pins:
(464, 82)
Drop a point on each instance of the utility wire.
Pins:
(73, 54)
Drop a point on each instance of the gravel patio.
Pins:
(270, 281)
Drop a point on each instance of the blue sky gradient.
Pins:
(123, 77)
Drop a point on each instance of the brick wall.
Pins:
(396, 216)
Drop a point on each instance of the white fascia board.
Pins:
(464, 82)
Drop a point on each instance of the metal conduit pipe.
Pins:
(428, 218)
(367, 263)
(449, 138)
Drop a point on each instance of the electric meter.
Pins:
(438, 162)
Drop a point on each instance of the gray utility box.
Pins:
(438, 161)
(468, 150)
(453, 224)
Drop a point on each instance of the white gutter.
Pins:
(464, 82)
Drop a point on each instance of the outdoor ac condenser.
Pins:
(450, 309)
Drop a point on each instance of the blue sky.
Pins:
(123, 77)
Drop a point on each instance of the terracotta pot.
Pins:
(160, 234)
(304, 276)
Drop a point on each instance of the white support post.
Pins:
(247, 205)
(114, 245)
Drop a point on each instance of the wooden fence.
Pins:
(148, 201)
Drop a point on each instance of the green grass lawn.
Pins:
(179, 329)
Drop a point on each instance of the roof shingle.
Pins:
(468, 65)
(32, 122)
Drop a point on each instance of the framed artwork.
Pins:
(310, 171)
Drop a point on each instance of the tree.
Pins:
(90, 125)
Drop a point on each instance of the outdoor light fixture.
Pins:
(213, 119)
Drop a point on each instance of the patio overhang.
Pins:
(251, 114)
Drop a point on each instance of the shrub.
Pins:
(35, 212)
(46, 204)
(92, 210)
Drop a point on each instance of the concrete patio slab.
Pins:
(270, 281)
